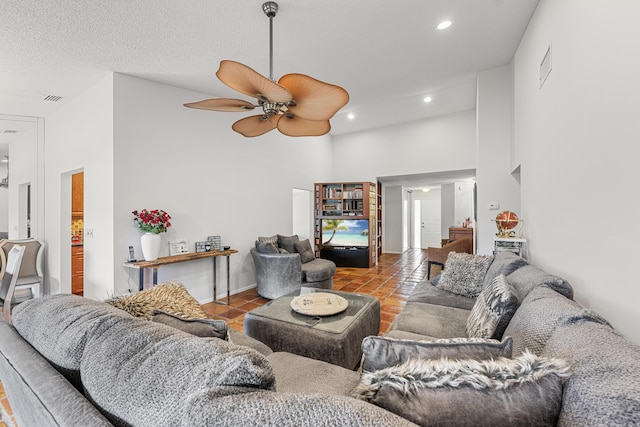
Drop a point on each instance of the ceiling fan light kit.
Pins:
(297, 105)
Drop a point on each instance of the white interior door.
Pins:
(431, 233)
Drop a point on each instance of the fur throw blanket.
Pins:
(171, 297)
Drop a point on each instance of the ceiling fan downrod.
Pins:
(270, 9)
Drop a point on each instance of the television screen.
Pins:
(345, 232)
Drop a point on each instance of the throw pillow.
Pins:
(206, 328)
(464, 273)
(381, 352)
(303, 247)
(170, 296)
(267, 247)
(270, 239)
(288, 242)
(522, 391)
(493, 310)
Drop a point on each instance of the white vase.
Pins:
(150, 243)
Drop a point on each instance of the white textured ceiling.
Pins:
(387, 55)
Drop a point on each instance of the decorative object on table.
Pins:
(203, 247)
(507, 221)
(468, 222)
(151, 223)
(319, 304)
(297, 105)
(216, 242)
(178, 247)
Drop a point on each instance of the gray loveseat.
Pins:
(604, 387)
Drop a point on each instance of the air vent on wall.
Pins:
(52, 98)
(545, 67)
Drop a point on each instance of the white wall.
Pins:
(211, 180)
(577, 140)
(463, 196)
(493, 172)
(444, 143)
(80, 136)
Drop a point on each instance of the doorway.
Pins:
(77, 233)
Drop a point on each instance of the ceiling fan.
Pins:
(297, 105)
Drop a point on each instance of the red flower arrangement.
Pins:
(154, 221)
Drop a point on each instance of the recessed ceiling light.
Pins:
(425, 190)
(351, 116)
(443, 25)
(427, 99)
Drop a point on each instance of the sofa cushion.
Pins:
(288, 242)
(503, 263)
(522, 391)
(205, 328)
(267, 247)
(493, 310)
(537, 317)
(171, 297)
(528, 277)
(263, 408)
(464, 273)
(604, 389)
(432, 320)
(303, 247)
(59, 326)
(139, 370)
(299, 374)
(383, 352)
(318, 270)
(430, 294)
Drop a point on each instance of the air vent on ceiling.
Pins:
(52, 98)
(10, 131)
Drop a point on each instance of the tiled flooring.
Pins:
(5, 404)
(391, 281)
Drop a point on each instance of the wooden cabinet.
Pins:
(77, 270)
(456, 233)
(77, 194)
(345, 229)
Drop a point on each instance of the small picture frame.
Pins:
(216, 242)
(178, 247)
(203, 247)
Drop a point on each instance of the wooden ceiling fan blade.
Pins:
(315, 100)
(246, 80)
(221, 104)
(297, 126)
(255, 125)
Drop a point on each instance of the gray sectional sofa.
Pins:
(604, 386)
(71, 361)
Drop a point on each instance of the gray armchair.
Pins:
(278, 274)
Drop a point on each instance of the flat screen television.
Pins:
(347, 233)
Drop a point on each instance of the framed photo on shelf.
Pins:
(216, 242)
(178, 247)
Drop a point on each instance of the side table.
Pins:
(154, 265)
(510, 244)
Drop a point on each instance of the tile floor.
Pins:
(391, 281)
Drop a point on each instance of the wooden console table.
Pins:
(154, 265)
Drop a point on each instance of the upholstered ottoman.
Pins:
(335, 339)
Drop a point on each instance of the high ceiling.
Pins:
(387, 55)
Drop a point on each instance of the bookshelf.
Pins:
(348, 211)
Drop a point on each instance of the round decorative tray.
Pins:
(319, 304)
